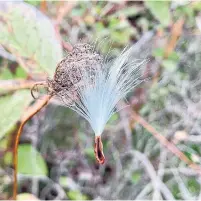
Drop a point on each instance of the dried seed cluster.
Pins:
(69, 72)
(93, 87)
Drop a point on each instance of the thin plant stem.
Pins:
(170, 146)
(30, 113)
(171, 43)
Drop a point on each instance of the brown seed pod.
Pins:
(69, 72)
(98, 150)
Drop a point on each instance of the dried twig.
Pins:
(175, 34)
(171, 43)
(165, 142)
(13, 85)
(25, 64)
(31, 111)
(111, 8)
(43, 6)
(63, 10)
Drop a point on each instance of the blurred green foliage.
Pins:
(30, 37)
(30, 34)
(76, 195)
(160, 10)
(12, 108)
(30, 161)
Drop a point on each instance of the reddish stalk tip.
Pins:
(98, 150)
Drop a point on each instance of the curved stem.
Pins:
(43, 83)
(30, 113)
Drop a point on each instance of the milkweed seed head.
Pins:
(91, 86)
(68, 78)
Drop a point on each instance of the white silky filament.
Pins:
(99, 96)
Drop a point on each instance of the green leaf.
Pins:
(193, 186)
(163, 91)
(128, 11)
(76, 195)
(20, 73)
(169, 65)
(6, 74)
(173, 56)
(12, 108)
(26, 196)
(30, 34)
(63, 181)
(175, 191)
(30, 161)
(78, 11)
(8, 158)
(160, 10)
(196, 6)
(34, 3)
(158, 52)
(136, 176)
(113, 118)
(90, 153)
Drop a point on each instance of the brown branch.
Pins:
(63, 10)
(26, 64)
(43, 6)
(31, 111)
(175, 34)
(110, 9)
(170, 146)
(171, 43)
(13, 85)
(67, 46)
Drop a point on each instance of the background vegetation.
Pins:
(56, 158)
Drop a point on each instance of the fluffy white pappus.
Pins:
(101, 91)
